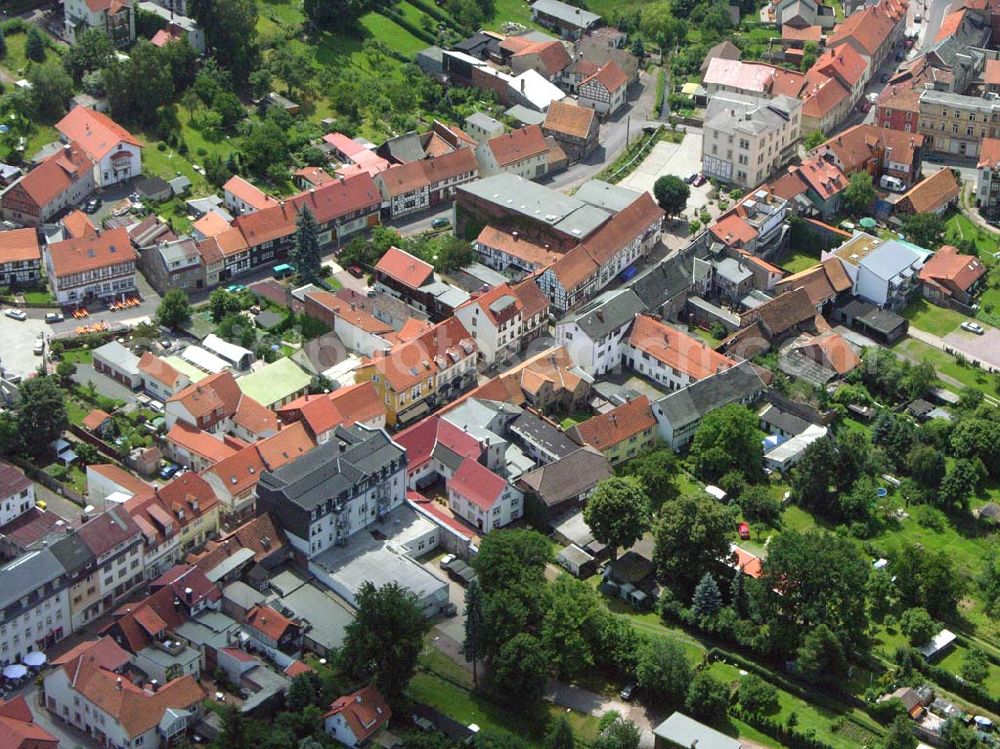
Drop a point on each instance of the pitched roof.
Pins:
(687, 405)
(211, 224)
(612, 310)
(77, 224)
(434, 351)
(107, 530)
(249, 193)
(158, 369)
(675, 349)
(568, 477)
(268, 622)
(349, 312)
(95, 419)
(533, 301)
(855, 146)
(610, 76)
(842, 63)
(515, 244)
(498, 304)
(121, 477)
(421, 440)
(56, 174)
(823, 177)
(950, 25)
(868, 29)
(19, 245)
(822, 282)
(409, 270)
(948, 264)
(570, 119)
(783, 312)
(517, 145)
(73, 256)
(348, 405)
(18, 729)
(94, 132)
(12, 479)
(733, 231)
(285, 446)
(608, 429)
(203, 444)
(552, 54)
(807, 34)
(365, 711)
(822, 95)
(414, 175)
(932, 193)
(989, 153)
(260, 535)
(832, 351)
(478, 484)
(218, 392)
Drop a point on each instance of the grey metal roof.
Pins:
(327, 619)
(525, 116)
(682, 731)
(606, 313)
(688, 405)
(568, 477)
(534, 429)
(119, 356)
(483, 121)
(737, 113)
(604, 195)
(28, 573)
(73, 554)
(568, 14)
(889, 260)
(324, 473)
(671, 276)
(405, 147)
(732, 270)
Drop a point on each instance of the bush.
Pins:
(161, 146)
(917, 625)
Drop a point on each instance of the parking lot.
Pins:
(16, 355)
(680, 159)
(985, 347)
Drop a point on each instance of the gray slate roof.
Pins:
(688, 405)
(27, 574)
(681, 731)
(607, 312)
(569, 477)
(566, 13)
(534, 429)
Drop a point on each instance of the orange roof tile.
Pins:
(56, 174)
(513, 243)
(211, 224)
(121, 477)
(989, 153)
(18, 729)
(822, 176)
(94, 132)
(403, 267)
(552, 55)
(250, 194)
(158, 369)
(200, 443)
(566, 118)
(610, 76)
(733, 231)
(518, 145)
(18, 246)
(268, 622)
(478, 484)
(73, 256)
(608, 429)
(822, 95)
(314, 175)
(435, 351)
(286, 446)
(365, 711)
(677, 350)
(95, 419)
(948, 264)
(932, 193)
(854, 147)
(77, 224)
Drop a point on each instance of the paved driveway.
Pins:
(16, 355)
(985, 347)
(680, 159)
(105, 385)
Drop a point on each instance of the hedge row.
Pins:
(971, 692)
(778, 731)
(421, 34)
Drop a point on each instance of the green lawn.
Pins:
(821, 716)
(76, 411)
(15, 61)
(77, 356)
(953, 663)
(947, 365)
(798, 261)
(932, 318)
(39, 296)
(519, 11)
(390, 32)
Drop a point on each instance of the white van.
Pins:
(895, 184)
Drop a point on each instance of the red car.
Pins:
(744, 531)
(700, 180)
(355, 270)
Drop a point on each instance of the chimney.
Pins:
(342, 446)
(522, 85)
(600, 315)
(188, 595)
(154, 685)
(357, 698)
(118, 684)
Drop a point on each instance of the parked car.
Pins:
(446, 560)
(355, 270)
(92, 205)
(973, 327)
(441, 223)
(235, 288)
(628, 691)
(744, 531)
(51, 317)
(17, 314)
(691, 178)
(700, 180)
(918, 18)
(39, 348)
(168, 471)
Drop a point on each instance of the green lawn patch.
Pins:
(77, 356)
(798, 261)
(931, 318)
(39, 296)
(388, 31)
(948, 365)
(76, 411)
(15, 61)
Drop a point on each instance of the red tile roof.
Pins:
(948, 264)
(517, 145)
(677, 350)
(284, 447)
(822, 176)
(198, 442)
(869, 28)
(268, 622)
(416, 175)
(77, 224)
(211, 224)
(121, 477)
(610, 76)
(808, 34)
(733, 231)
(158, 369)
(822, 95)
(513, 243)
(12, 480)
(346, 406)
(566, 118)
(73, 256)
(349, 312)
(107, 530)
(989, 153)
(260, 535)
(216, 393)
(991, 76)
(94, 132)
(403, 267)
(314, 175)
(934, 192)
(842, 63)
(608, 429)
(249, 193)
(297, 668)
(552, 55)
(420, 440)
(749, 563)
(858, 145)
(365, 711)
(18, 729)
(19, 245)
(56, 174)
(950, 25)
(95, 419)
(832, 351)
(478, 484)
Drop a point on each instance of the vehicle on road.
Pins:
(284, 270)
(355, 270)
(628, 691)
(51, 317)
(441, 223)
(973, 327)
(16, 314)
(92, 205)
(235, 288)
(918, 18)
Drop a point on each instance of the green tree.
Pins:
(918, 626)
(40, 414)
(182, 60)
(810, 579)
(980, 438)
(93, 51)
(521, 671)
(707, 698)
(571, 626)
(859, 194)
(663, 672)
(757, 696)
(291, 65)
(900, 734)
(616, 732)
(925, 229)
(963, 480)
(3, 44)
(975, 666)
(560, 736)
(306, 253)
(927, 579)
(617, 513)
(809, 54)
(231, 34)
(692, 534)
(65, 370)
(139, 86)
(223, 303)
(174, 309)
(728, 439)
(51, 90)
(34, 47)
(814, 139)
(385, 638)
(760, 506)
(264, 146)
(495, 738)
(821, 656)
(304, 691)
(956, 735)
(233, 731)
(660, 23)
(671, 193)
(707, 598)
(989, 582)
(656, 470)
(474, 624)
(510, 557)
(927, 466)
